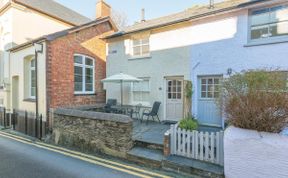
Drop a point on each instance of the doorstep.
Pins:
(192, 166)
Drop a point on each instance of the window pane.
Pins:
(279, 29)
(137, 51)
(203, 95)
(179, 96)
(203, 81)
(89, 87)
(33, 91)
(136, 42)
(32, 64)
(145, 41)
(78, 70)
(203, 88)
(78, 86)
(216, 81)
(260, 17)
(145, 49)
(33, 78)
(210, 95)
(169, 95)
(210, 88)
(210, 81)
(78, 78)
(260, 32)
(88, 61)
(216, 94)
(78, 59)
(279, 13)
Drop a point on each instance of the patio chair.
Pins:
(153, 112)
(108, 107)
(135, 111)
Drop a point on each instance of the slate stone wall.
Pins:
(93, 131)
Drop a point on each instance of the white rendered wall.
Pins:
(220, 43)
(250, 154)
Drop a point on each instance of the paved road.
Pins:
(19, 160)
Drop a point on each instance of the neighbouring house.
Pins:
(202, 44)
(70, 68)
(24, 20)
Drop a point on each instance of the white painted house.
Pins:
(202, 44)
(24, 20)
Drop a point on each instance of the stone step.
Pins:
(145, 156)
(192, 166)
(149, 145)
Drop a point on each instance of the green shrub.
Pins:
(256, 100)
(189, 124)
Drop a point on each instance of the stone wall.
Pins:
(249, 153)
(93, 131)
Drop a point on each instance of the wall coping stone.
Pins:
(93, 115)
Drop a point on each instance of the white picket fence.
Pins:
(197, 145)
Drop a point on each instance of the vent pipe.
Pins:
(143, 15)
(211, 4)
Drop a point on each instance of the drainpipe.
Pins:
(38, 49)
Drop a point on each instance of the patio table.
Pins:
(124, 108)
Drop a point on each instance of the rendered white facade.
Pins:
(206, 48)
(262, 154)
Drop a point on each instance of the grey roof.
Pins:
(53, 36)
(52, 8)
(191, 13)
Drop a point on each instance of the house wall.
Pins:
(19, 70)
(169, 56)
(221, 42)
(18, 25)
(61, 66)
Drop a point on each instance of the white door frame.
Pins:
(165, 92)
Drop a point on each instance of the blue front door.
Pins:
(208, 112)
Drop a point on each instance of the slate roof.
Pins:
(54, 9)
(53, 36)
(189, 14)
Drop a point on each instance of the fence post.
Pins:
(26, 123)
(14, 119)
(36, 126)
(40, 127)
(4, 117)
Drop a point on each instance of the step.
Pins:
(146, 156)
(149, 145)
(192, 166)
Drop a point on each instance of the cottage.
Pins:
(202, 44)
(70, 65)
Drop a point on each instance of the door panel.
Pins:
(208, 111)
(174, 100)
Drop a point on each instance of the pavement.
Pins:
(23, 158)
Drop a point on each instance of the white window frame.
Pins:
(30, 78)
(142, 91)
(267, 39)
(206, 84)
(84, 66)
(141, 47)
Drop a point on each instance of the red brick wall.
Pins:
(60, 67)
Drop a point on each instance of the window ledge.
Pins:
(30, 100)
(266, 42)
(139, 57)
(85, 94)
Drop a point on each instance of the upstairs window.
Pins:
(32, 79)
(140, 47)
(83, 74)
(269, 23)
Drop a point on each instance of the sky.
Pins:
(132, 8)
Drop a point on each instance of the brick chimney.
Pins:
(102, 9)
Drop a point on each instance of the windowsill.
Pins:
(139, 57)
(266, 42)
(31, 100)
(84, 94)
